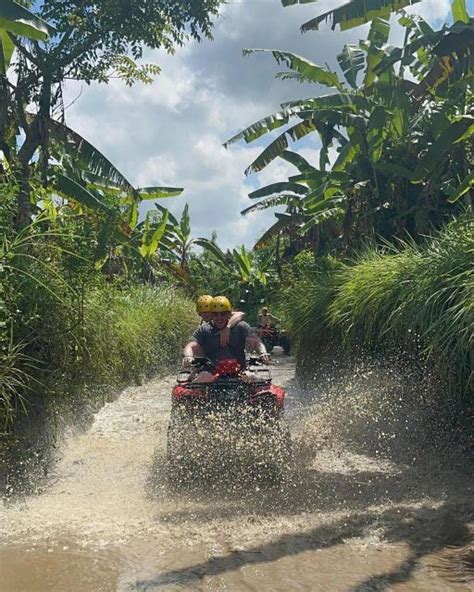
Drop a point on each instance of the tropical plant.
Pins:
(246, 273)
(177, 242)
(90, 43)
(16, 20)
(402, 294)
(353, 13)
(380, 128)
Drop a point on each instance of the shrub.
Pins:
(396, 295)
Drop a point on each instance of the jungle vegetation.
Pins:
(93, 294)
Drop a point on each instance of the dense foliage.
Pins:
(400, 126)
(90, 294)
(419, 297)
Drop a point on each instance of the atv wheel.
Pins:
(286, 345)
(268, 343)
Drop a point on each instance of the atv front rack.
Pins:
(263, 377)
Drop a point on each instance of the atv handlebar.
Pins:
(203, 362)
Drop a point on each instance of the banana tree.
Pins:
(88, 183)
(247, 273)
(353, 13)
(88, 45)
(177, 242)
(16, 20)
(380, 127)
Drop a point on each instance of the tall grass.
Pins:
(119, 336)
(398, 296)
(130, 333)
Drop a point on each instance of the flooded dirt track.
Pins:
(346, 519)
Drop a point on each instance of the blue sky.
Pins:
(171, 133)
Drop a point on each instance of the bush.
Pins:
(396, 295)
(131, 333)
(114, 336)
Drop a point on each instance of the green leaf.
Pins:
(159, 192)
(280, 144)
(376, 132)
(171, 218)
(378, 36)
(344, 100)
(271, 202)
(278, 188)
(157, 235)
(72, 190)
(379, 32)
(465, 186)
(346, 156)
(283, 222)
(133, 215)
(458, 39)
(19, 21)
(307, 71)
(459, 11)
(86, 156)
(214, 250)
(185, 222)
(458, 131)
(357, 12)
(263, 126)
(351, 61)
(293, 2)
(328, 212)
(298, 161)
(7, 47)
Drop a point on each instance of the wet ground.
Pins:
(349, 517)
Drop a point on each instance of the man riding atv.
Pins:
(270, 334)
(225, 407)
(203, 308)
(266, 319)
(206, 340)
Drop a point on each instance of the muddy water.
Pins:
(348, 517)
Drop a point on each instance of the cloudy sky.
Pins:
(171, 132)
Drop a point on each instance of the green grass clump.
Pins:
(113, 336)
(128, 334)
(398, 296)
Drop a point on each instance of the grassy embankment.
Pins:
(416, 298)
(119, 336)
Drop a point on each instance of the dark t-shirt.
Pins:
(208, 337)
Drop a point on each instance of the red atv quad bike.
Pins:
(271, 336)
(227, 419)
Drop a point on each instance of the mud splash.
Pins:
(356, 512)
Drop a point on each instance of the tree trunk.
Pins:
(36, 136)
(277, 255)
(4, 102)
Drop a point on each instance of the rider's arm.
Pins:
(236, 317)
(256, 344)
(191, 350)
(274, 318)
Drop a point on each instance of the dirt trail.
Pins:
(347, 520)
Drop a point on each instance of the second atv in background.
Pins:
(270, 335)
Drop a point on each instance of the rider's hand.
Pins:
(187, 362)
(224, 337)
(266, 358)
